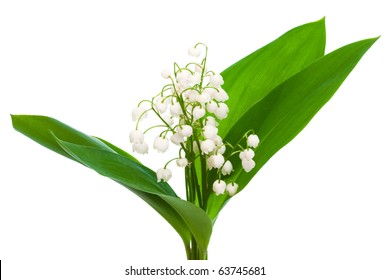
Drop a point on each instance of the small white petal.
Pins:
(219, 187)
(253, 141)
(232, 188)
(194, 52)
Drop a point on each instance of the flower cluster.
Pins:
(189, 108)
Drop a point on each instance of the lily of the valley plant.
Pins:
(225, 126)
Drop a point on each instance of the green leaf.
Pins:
(134, 176)
(186, 218)
(287, 109)
(40, 128)
(253, 77)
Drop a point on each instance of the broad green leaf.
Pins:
(253, 77)
(182, 215)
(39, 129)
(131, 174)
(287, 109)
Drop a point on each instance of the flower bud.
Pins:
(219, 187)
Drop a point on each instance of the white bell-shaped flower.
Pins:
(222, 111)
(210, 131)
(221, 95)
(248, 164)
(216, 80)
(198, 113)
(138, 112)
(182, 77)
(216, 161)
(207, 146)
(221, 149)
(141, 148)
(175, 109)
(161, 105)
(217, 140)
(203, 98)
(247, 154)
(163, 174)
(194, 78)
(182, 162)
(211, 92)
(253, 140)
(185, 130)
(227, 168)
(211, 107)
(168, 120)
(165, 73)
(210, 121)
(177, 139)
(161, 144)
(194, 52)
(232, 188)
(136, 136)
(219, 187)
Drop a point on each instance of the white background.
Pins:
(318, 210)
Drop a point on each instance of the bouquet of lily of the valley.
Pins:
(225, 126)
